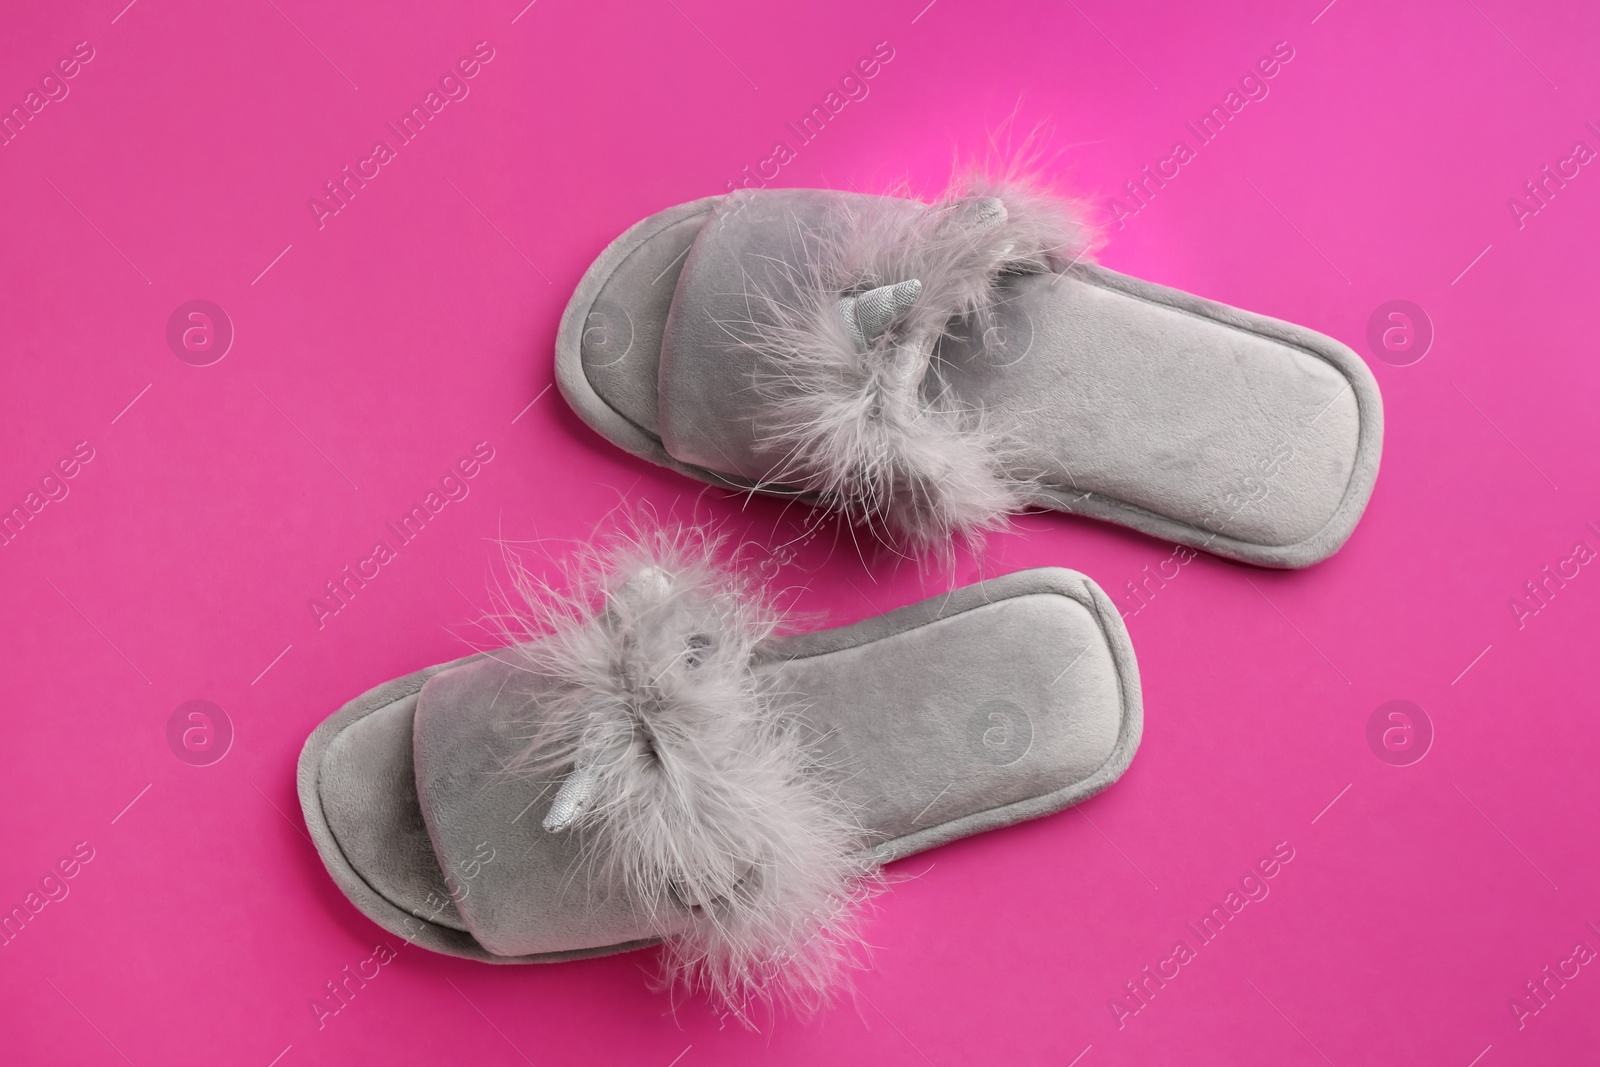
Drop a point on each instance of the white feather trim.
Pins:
(868, 421)
(692, 785)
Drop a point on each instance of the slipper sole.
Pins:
(393, 697)
(611, 422)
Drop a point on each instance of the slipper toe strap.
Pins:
(686, 786)
(831, 308)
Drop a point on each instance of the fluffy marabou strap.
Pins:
(687, 782)
(852, 394)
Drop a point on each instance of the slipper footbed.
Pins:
(1143, 405)
(1000, 702)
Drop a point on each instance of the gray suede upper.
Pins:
(999, 702)
(707, 403)
(1194, 421)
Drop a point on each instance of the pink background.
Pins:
(373, 352)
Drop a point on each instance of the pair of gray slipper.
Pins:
(656, 763)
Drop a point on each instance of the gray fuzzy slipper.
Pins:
(930, 369)
(658, 766)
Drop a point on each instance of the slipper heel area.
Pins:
(1005, 701)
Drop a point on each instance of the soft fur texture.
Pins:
(875, 429)
(701, 797)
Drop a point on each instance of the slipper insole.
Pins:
(999, 702)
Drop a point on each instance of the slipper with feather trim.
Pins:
(929, 369)
(657, 764)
